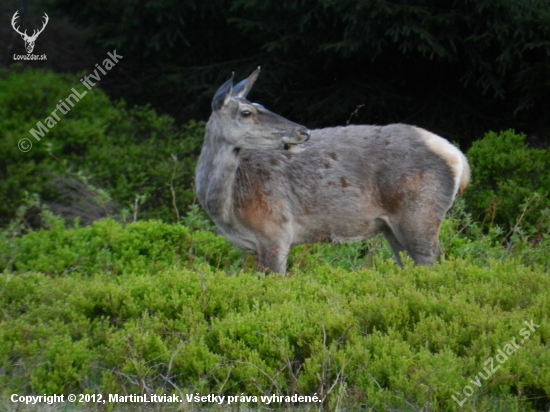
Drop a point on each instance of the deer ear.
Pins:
(242, 89)
(223, 94)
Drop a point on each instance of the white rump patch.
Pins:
(452, 155)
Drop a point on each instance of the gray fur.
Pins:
(347, 184)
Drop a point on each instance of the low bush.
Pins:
(101, 158)
(151, 308)
(510, 183)
(108, 246)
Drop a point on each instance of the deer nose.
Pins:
(304, 134)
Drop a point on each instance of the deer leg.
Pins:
(272, 259)
(396, 246)
(419, 238)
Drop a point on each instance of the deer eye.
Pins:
(246, 113)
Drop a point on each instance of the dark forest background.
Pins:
(456, 67)
(128, 150)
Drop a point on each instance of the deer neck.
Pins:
(216, 175)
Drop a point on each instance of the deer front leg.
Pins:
(272, 258)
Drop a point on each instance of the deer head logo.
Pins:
(29, 40)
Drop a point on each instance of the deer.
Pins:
(270, 184)
(29, 40)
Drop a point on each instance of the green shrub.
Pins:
(150, 307)
(510, 183)
(97, 154)
(111, 247)
(383, 339)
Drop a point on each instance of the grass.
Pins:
(150, 308)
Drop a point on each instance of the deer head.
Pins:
(249, 125)
(29, 40)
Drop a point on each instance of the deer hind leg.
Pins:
(418, 236)
(272, 259)
(396, 246)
